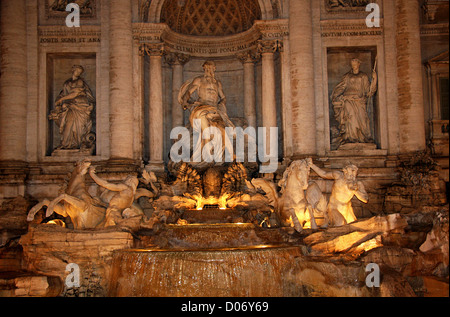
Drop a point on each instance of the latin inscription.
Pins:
(73, 40)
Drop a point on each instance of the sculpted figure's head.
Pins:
(209, 67)
(356, 64)
(132, 181)
(350, 172)
(77, 70)
(299, 169)
(82, 167)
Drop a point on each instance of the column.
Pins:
(269, 104)
(248, 60)
(13, 80)
(410, 84)
(302, 78)
(13, 98)
(286, 97)
(156, 110)
(177, 62)
(121, 80)
(390, 53)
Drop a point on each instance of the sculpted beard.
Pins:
(351, 182)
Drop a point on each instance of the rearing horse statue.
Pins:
(299, 198)
(85, 211)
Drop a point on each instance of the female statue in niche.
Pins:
(72, 114)
(350, 100)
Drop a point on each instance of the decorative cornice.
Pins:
(209, 47)
(149, 32)
(357, 27)
(64, 31)
(434, 29)
(58, 35)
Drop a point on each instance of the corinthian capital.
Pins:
(176, 58)
(156, 49)
(269, 46)
(251, 56)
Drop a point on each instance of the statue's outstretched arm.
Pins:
(322, 173)
(103, 183)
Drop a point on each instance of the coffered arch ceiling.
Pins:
(242, 12)
(210, 17)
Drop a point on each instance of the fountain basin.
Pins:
(217, 236)
(256, 271)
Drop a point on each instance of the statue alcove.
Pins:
(339, 63)
(59, 70)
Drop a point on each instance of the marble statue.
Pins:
(121, 199)
(148, 189)
(85, 211)
(73, 112)
(350, 100)
(209, 109)
(345, 187)
(112, 203)
(299, 200)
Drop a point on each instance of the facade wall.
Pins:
(123, 47)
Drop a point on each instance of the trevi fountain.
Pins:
(223, 148)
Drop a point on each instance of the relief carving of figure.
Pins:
(350, 100)
(73, 112)
(209, 108)
(345, 187)
(348, 3)
(60, 5)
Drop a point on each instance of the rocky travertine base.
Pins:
(411, 261)
(26, 285)
(48, 249)
(241, 260)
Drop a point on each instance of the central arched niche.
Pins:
(210, 17)
(217, 30)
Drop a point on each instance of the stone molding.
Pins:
(62, 34)
(203, 47)
(357, 27)
(434, 29)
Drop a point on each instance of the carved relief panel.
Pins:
(53, 12)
